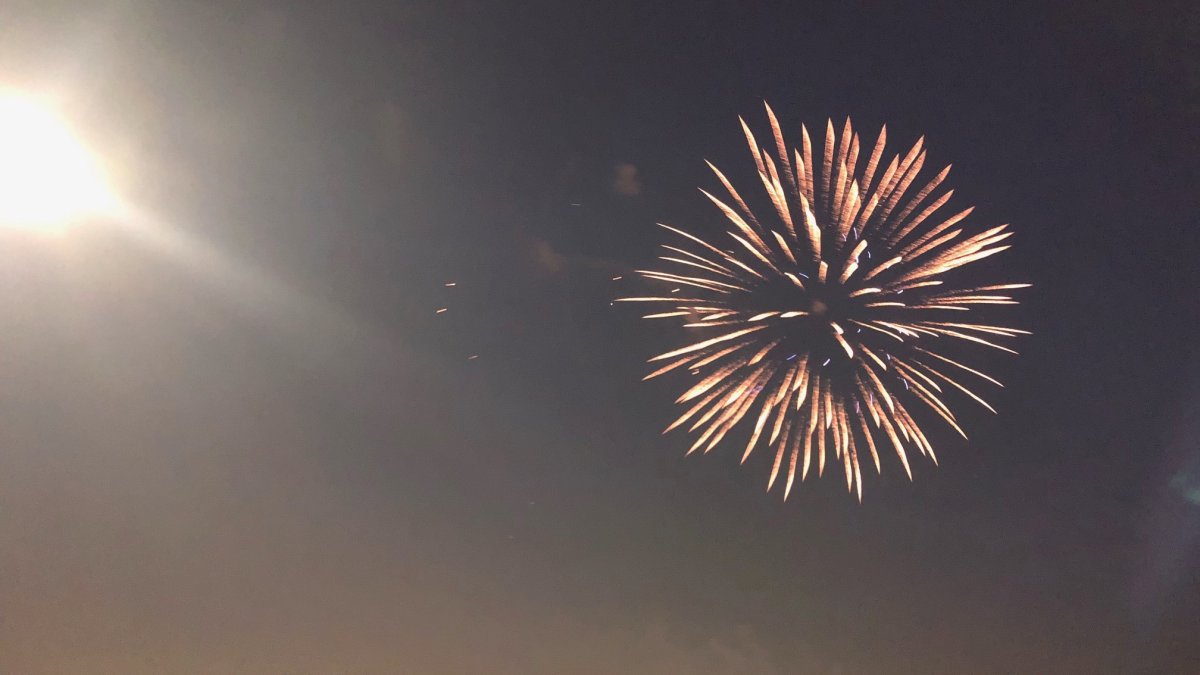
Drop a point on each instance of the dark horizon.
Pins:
(253, 445)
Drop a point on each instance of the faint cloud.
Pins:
(625, 181)
(546, 259)
(659, 651)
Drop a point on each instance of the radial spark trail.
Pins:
(830, 321)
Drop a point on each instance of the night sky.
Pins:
(237, 438)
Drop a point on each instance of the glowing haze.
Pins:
(48, 178)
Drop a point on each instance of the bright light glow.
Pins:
(48, 179)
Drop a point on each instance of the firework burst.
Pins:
(826, 328)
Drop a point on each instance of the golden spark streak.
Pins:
(864, 216)
(994, 330)
(670, 299)
(724, 387)
(897, 176)
(707, 283)
(932, 244)
(847, 270)
(802, 177)
(845, 345)
(808, 435)
(882, 267)
(862, 421)
(1001, 287)
(712, 358)
(757, 254)
(747, 397)
(686, 281)
(853, 452)
(763, 352)
(778, 198)
(800, 386)
(840, 162)
(912, 225)
(758, 427)
(907, 329)
(787, 491)
(710, 381)
(782, 391)
(878, 329)
(852, 160)
(716, 267)
(737, 198)
(723, 402)
(737, 221)
(874, 357)
(972, 338)
(879, 388)
(901, 187)
(873, 162)
(953, 307)
(865, 291)
(916, 201)
(913, 371)
(716, 250)
(821, 434)
(697, 265)
(835, 206)
(936, 230)
(891, 434)
(779, 451)
(916, 284)
(881, 192)
(956, 385)
(780, 148)
(956, 363)
(788, 437)
(806, 145)
(729, 420)
(706, 343)
(752, 143)
(811, 229)
(938, 407)
(783, 246)
(671, 366)
(827, 173)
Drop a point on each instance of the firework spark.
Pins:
(824, 327)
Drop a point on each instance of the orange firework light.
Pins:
(823, 327)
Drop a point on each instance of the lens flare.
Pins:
(825, 325)
(47, 177)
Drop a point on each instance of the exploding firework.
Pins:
(828, 327)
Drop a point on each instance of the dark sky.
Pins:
(235, 437)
